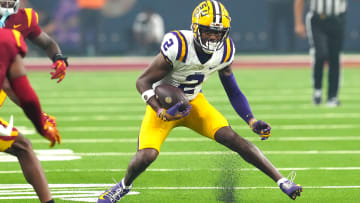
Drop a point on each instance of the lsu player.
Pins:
(12, 49)
(26, 22)
(186, 60)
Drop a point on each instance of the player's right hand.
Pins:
(261, 128)
(50, 131)
(173, 113)
(300, 30)
(52, 134)
(60, 70)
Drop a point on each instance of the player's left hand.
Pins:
(50, 131)
(173, 113)
(59, 65)
(261, 128)
(48, 119)
(52, 134)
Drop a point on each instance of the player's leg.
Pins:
(247, 150)
(207, 121)
(250, 153)
(335, 41)
(318, 53)
(30, 165)
(139, 163)
(152, 134)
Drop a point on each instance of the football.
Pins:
(169, 95)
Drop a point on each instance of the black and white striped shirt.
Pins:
(328, 7)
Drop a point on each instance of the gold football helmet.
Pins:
(210, 17)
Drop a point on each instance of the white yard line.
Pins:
(95, 186)
(188, 170)
(66, 119)
(90, 192)
(103, 108)
(202, 139)
(200, 153)
(135, 129)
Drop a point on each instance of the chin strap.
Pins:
(3, 19)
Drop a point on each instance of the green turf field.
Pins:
(99, 114)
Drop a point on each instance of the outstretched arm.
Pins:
(240, 103)
(53, 51)
(236, 97)
(28, 100)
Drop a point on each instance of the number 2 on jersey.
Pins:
(189, 88)
(168, 44)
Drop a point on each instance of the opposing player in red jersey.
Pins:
(26, 22)
(12, 49)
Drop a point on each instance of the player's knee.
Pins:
(320, 56)
(227, 137)
(21, 146)
(149, 155)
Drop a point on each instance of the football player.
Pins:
(12, 49)
(26, 22)
(186, 60)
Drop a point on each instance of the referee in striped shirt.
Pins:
(324, 27)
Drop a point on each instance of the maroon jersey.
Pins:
(25, 21)
(11, 44)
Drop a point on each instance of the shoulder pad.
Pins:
(174, 46)
(32, 16)
(229, 51)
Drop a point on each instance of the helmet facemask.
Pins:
(9, 7)
(214, 43)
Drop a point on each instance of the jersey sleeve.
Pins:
(21, 47)
(174, 47)
(33, 23)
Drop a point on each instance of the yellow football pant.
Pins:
(7, 141)
(2, 97)
(203, 119)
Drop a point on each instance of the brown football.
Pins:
(169, 95)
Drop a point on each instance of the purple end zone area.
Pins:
(140, 63)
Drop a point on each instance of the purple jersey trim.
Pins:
(186, 47)
(166, 58)
(179, 47)
(231, 49)
(225, 51)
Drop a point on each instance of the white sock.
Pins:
(126, 187)
(281, 180)
(317, 92)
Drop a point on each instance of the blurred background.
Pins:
(120, 27)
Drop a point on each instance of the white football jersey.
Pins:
(178, 48)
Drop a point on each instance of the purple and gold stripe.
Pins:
(228, 50)
(183, 48)
(166, 58)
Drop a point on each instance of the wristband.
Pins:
(147, 95)
(60, 57)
